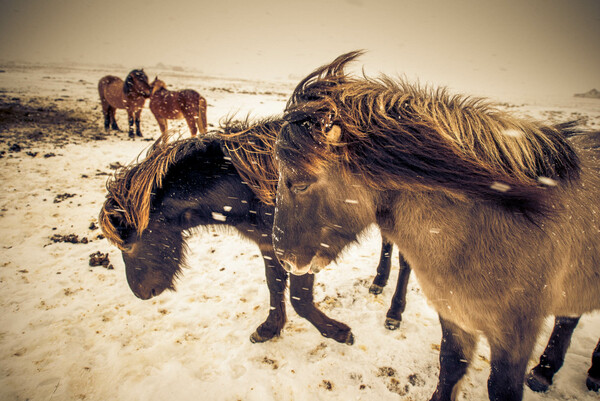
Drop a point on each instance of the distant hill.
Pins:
(593, 94)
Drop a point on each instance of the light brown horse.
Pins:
(497, 215)
(175, 105)
(129, 95)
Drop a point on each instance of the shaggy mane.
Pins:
(397, 135)
(248, 145)
(130, 190)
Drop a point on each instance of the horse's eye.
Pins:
(299, 188)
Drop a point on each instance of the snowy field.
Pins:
(71, 331)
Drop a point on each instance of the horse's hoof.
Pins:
(391, 323)
(593, 384)
(375, 289)
(537, 383)
(140, 135)
(349, 339)
(256, 338)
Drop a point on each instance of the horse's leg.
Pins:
(301, 295)
(164, 126)
(509, 357)
(456, 350)
(201, 121)
(593, 380)
(113, 119)
(394, 314)
(191, 122)
(106, 113)
(131, 120)
(383, 269)
(138, 114)
(276, 282)
(540, 377)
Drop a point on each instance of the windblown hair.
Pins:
(130, 190)
(129, 84)
(248, 145)
(397, 135)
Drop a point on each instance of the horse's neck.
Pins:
(425, 223)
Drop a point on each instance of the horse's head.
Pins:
(157, 85)
(137, 83)
(146, 229)
(152, 257)
(320, 208)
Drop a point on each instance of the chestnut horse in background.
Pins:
(175, 105)
(129, 95)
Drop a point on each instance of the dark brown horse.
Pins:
(498, 216)
(228, 181)
(129, 95)
(174, 105)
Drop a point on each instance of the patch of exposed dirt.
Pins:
(25, 123)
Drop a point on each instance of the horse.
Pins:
(175, 105)
(496, 215)
(227, 179)
(129, 95)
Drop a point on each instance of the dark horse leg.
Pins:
(394, 314)
(509, 357)
(456, 350)
(137, 115)
(131, 121)
(113, 120)
(109, 116)
(540, 377)
(383, 269)
(301, 294)
(276, 282)
(593, 380)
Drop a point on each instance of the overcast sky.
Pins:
(521, 45)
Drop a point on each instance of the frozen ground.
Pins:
(70, 331)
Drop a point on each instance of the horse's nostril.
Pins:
(153, 292)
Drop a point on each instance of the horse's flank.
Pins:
(174, 105)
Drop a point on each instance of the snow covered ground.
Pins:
(70, 331)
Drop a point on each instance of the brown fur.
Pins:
(432, 139)
(175, 105)
(129, 94)
(251, 149)
(248, 143)
(498, 216)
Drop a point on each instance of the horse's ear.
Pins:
(334, 134)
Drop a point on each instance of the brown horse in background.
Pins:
(129, 95)
(175, 105)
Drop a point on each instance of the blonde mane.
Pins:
(248, 145)
(130, 190)
(400, 135)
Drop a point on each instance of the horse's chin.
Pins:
(317, 263)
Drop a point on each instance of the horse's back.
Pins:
(110, 88)
(189, 99)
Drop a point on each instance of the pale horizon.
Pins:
(543, 46)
